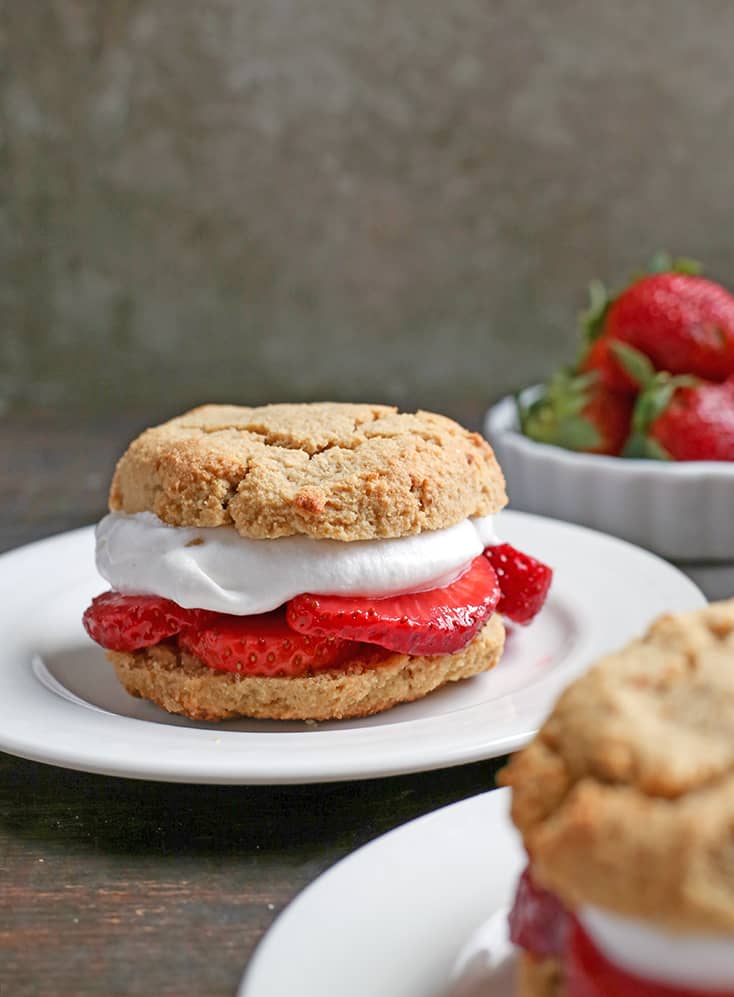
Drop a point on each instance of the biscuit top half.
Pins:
(625, 799)
(326, 470)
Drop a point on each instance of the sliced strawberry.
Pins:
(539, 922)
(264, 645)
(129, 622)
(524, 582)
(439, 621)
(588, 973)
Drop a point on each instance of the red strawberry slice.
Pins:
(265, 645)
(539, 922)
(588, 973)
(524, 582)
(128, 622)
(439, 621)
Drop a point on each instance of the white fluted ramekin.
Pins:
(682, 511)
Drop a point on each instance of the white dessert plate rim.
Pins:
(60, 702)
(407, 914)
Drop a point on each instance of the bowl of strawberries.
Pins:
(636, 437)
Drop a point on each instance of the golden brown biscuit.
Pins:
(179, 683)
(327, 470)
(538, 977)
(625, 799)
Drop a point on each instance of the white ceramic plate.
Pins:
(61, 703)
(420, 912)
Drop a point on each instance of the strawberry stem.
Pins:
(662, 262)
(592, 318)
(635, 364)
(640, 447)
(556, 416)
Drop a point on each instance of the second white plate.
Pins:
(419, 912)
(60, 701)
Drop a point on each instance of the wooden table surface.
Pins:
(111, 886)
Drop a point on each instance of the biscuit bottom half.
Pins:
(180, 683)
(538, 977)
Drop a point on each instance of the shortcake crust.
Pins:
(625, 799)
(538, 977)
(326, 470)
(179, 683)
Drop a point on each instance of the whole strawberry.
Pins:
(698, 424)
(675, 419)
(579, 413)
(682, 322)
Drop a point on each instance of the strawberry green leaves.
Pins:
(591, 319)
(662, 262)
(635, 363)
(576, 412)
(556, 417)
(656, 393)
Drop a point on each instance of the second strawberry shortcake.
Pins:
(305, 561)
(625, 804)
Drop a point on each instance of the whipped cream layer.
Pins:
(699, 961)
(217, 569)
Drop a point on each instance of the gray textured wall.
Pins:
(254, 199)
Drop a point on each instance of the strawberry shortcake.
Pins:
(625, 802)
(305, 561)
